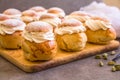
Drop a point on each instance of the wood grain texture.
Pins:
(16, 56)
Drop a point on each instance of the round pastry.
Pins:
(29, 16)
(57, 11)
(79, 15)
(13, 13)
(70, 35)
(51, 19)
(99, 30)
(39, 43)
(10, 33)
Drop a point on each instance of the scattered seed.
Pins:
(98, 57)
(105, 56)
(101, 64)
(113, 69)
(113, 53)
(117, 67)
(111, 63)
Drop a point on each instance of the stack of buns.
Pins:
(39, 31)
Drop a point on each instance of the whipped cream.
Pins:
(8, 30)
(17, 16)
(29, 18)
(97, 24)
(70, 30)
(62, 14)
(38, 37)
(55, 22)
(80, 18)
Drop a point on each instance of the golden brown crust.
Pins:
(12, 11)
(101, 36)
(71, 42)
(11, 41)
(39, 51)
(38, 26)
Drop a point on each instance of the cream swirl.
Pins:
(97, 24)
(80, 18)
(17, 16)
(38, 37)
(7, 29)
(29, 18)
(70, 30)
(55, 21)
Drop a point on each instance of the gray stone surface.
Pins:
(84, 69)
(67, 5)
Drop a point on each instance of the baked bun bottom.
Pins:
(39, 51)
(11, 41)
(100, 36)
(71, 42)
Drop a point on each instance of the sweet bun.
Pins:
(13, 13)
(57, 11)
(99, 31)
(29, 16)
(51, 19)
(10, 33)
(70, 35)
(39, 43)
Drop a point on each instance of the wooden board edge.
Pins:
(54, 63)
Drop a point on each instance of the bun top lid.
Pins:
(58, 11)
(70, 23)
(38, 9)
(38, 26)
(12, 11)
(12, 23)
(30, 13)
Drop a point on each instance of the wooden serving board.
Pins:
(16, 56)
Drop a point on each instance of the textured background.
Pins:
(67, 5)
